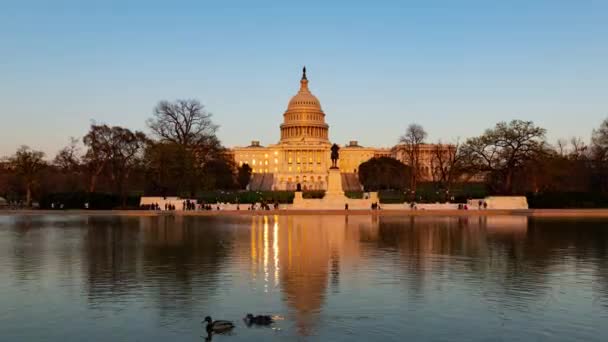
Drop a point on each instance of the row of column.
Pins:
(304, 117)
(317, 132)
(304, 155)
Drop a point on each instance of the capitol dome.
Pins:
(304, 119)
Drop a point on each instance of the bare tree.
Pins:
(579, 148)
(503, 150)
(68, 158)
(446, 165)
(412, 140)
(184, 122)
(561, 147)
(27, 164)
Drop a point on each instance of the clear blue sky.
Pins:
(456, 67)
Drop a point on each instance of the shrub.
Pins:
(562, 200)
(96, 200)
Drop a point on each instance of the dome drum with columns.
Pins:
(302, 155)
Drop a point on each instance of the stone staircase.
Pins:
(261, 182)
(350, 182)
(267, 182)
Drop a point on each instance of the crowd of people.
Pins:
(190, 205)
(152, 206)
(481, 205)
(264, 205)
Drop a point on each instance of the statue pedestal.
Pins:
(334, 183)
(334, 198)
(298, 199)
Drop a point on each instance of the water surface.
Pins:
(332, 278)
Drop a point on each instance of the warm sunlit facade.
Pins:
(303, 153)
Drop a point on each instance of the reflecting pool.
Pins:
(330, 278)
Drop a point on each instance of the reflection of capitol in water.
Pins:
(304, 255)
(327, 275)
(306, 258)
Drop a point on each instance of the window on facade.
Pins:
(253, 162)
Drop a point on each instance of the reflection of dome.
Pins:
(304, 118)
(304, 257)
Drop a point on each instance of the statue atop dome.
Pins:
(304, 73)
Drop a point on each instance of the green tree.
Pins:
(127, 153)
(99, 151)
(27, 164)
(170, 170)
(503, 151)
(244, 175)
(599, 155)
(219, 174)
(116, 149)
(67, 167)
(563, 168)
(384, 173)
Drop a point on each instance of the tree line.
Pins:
(180, 155)
(510, 158)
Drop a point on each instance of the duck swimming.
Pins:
(258, 320)
(217, 327)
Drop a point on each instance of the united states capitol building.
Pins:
(302, 155)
